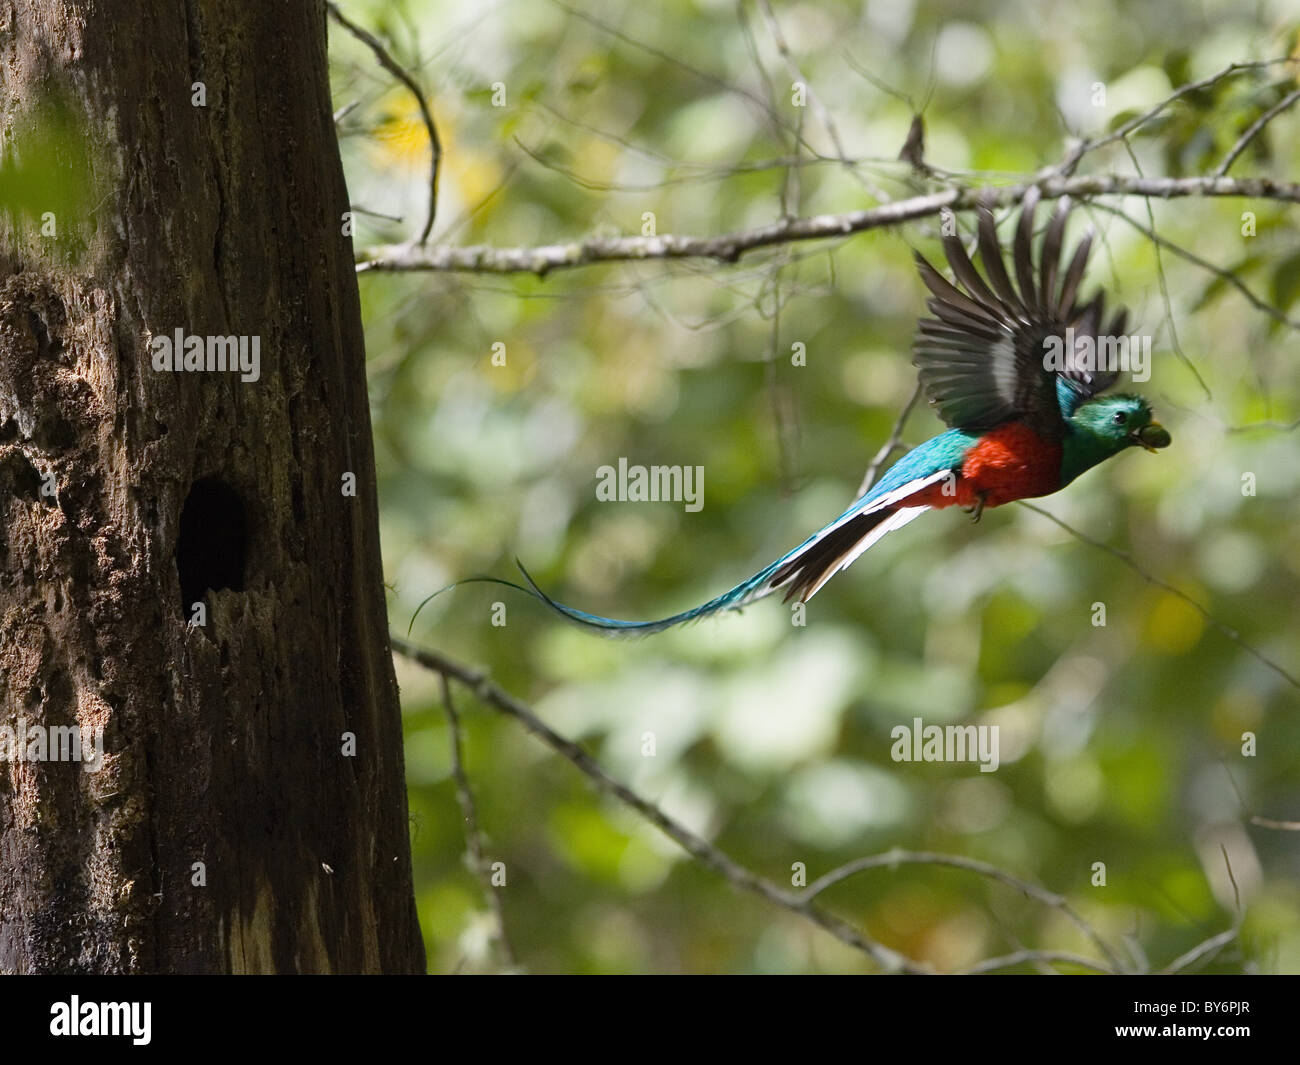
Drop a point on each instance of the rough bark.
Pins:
(128, 492)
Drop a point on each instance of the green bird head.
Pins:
(1104, 427)
(1121, 421)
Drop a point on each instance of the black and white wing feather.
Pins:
(984, 356)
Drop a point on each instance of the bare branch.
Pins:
(394, 68)
(1244, 140)
(800, 903)
(491, 695)
(973, 865)
(473, 836)
(729, 247)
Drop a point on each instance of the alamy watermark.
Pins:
(213, 354)
(1131, 354)
(651, 484)
(77, 1018)
(920, 742)
(55, 743)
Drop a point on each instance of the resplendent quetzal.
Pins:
(1023, 425)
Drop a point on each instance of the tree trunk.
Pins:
(249, 813)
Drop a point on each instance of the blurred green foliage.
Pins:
(47, 187)
(1121, 744)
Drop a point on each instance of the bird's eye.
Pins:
(1120, 418)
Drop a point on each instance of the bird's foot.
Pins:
(977, 511)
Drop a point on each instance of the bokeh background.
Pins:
(1121, 744)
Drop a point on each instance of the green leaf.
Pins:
(1286, 281)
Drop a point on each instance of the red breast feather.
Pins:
(1008, 463)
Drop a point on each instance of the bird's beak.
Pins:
(1151, 436)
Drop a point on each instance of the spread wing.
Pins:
(984, 356)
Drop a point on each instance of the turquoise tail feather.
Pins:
(731, 600)
(741, 595)
(800, 572)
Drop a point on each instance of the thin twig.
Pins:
(358, 209)
(729, 247)
(1218, 271)
(1282, 826)
(823, 115)
(1023, 957)
(791, 176)
(704, 75)
(394, 68)
(973, 865)
(1209, 947)
(891, 445)
(1253, 131)
(1236, 891)
(473, 835)
(1272, 426)
(1255, 819)
(1072, 158)
(1163, 282)
(487, 692)
(783, 421)
(1151, 578)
